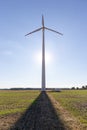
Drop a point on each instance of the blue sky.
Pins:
(19, 66)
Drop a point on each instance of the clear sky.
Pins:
(19, 63)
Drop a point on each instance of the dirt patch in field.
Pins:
(7, 120)
(41, 115)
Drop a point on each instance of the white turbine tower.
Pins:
(43, 50)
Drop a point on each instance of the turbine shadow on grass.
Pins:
(41, 115)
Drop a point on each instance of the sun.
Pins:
(48, 57)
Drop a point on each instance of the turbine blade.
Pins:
(42, 21)
(34, 31)
(53, 30)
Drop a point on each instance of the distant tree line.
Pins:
(84, 87)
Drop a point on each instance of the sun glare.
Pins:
(48, 57)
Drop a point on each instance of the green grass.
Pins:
(16, 101)
(75, 101)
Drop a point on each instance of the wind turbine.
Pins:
(43, 50)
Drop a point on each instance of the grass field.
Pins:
(75, 101)
(16, 101)
(35, 105)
